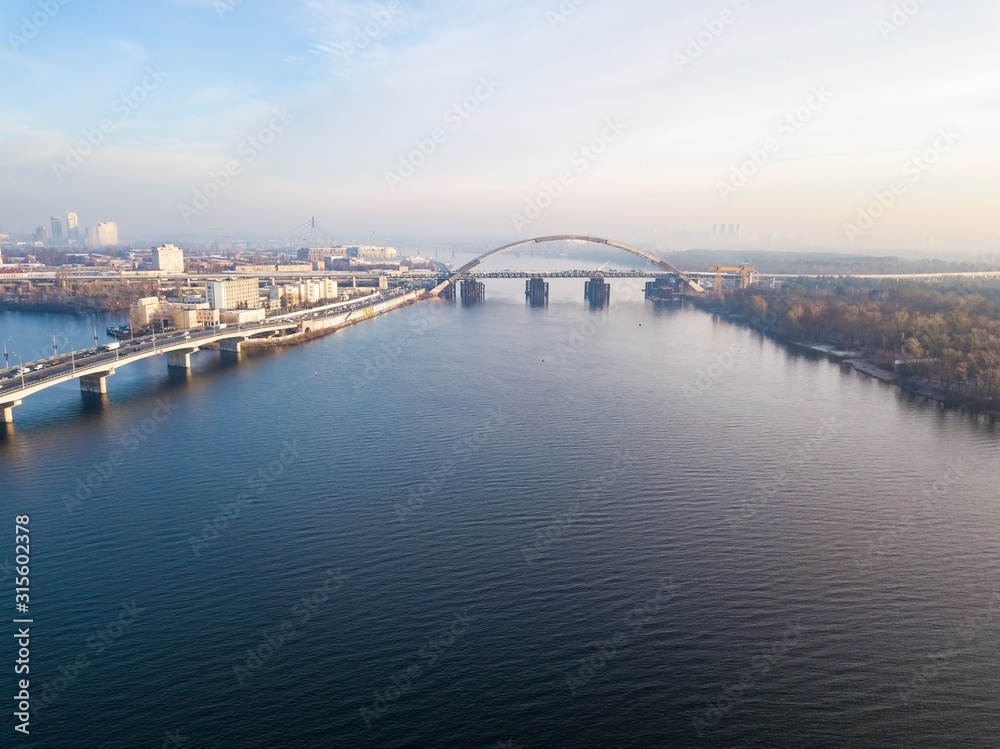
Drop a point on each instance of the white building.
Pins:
(72, 225)
(240, 293)
(105, 234)
(371, 252)
(168, 258)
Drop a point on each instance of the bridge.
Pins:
(608, 273)
(665, 268)
(93, 366)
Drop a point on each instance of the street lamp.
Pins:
(20, 369)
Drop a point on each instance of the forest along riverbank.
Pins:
(943, 345)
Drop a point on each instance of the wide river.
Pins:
(500, 526)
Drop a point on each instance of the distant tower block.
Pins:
(473, 291)
(536, 290)
(597, 293)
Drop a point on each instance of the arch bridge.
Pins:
(664, 266)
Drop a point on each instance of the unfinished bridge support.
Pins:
(473, 291)
(537, 291)
(597, 293)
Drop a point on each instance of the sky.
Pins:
(851, 126)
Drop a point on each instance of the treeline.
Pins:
(950, 338)
(78, 296)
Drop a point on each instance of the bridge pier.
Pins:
(7, 411)
(448, 292)
(536, 289)
(473, 291)
(664, 290)
(181, 358)
(597, 292)
(96, 383)
(231, 345)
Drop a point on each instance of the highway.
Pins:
(93, 365)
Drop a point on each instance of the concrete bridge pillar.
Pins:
(231, 345)
(96, 382)
(181, 358)
(7, 411)
(597, 292)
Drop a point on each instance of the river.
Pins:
(502, 526)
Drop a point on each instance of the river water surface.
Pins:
(489, 526)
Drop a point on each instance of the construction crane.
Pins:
(748, 275)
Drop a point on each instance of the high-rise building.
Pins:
(41, 234)
(242, 293)
(57, 234)
(727, 230)
(107, 233)
(168, 258)
(72, 225)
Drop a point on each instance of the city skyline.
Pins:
(860, 127)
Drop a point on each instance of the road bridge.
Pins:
(92, 367)
(664, 267)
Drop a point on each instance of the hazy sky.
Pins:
(636, 120)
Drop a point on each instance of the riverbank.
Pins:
(68, 307)
(313, 329)
(865, 362)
